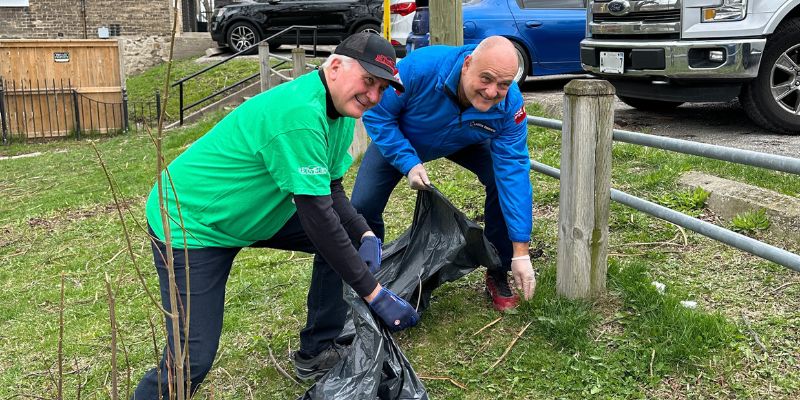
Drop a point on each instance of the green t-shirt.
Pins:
(235, 184)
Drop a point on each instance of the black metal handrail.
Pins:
(218, 92)
(180, 82)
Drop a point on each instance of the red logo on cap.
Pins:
(387, 61)
(520, 115)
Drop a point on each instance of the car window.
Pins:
(532, 4)
(424, 3)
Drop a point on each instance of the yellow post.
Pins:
(387, 28)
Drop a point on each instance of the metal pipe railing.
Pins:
(739, 241)
(746, 157)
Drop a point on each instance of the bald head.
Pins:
(488, 73)
(498, 51)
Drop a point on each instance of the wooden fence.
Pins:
(54, 88)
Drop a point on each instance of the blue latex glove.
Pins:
(370, 251)
(395, 312)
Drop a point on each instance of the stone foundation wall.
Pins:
(142, 52)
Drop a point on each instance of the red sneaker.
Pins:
(503, 298)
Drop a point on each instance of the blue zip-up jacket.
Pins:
(425, 123)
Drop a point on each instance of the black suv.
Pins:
(242, 25)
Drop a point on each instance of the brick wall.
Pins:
(46, 19)
(144, 25)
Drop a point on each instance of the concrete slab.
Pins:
(192, 44)
(729, 198)
(213, 51)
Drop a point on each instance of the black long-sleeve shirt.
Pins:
(333, 225)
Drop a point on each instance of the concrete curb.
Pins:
(729, 198)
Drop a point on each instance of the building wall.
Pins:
(144, 25)
(47, 19)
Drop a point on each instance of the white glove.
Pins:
(524, 277)
(418, 178)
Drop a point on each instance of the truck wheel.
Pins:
(242, 35)
(524, 63)
(649, 105)
(772, 99)
(369, 28)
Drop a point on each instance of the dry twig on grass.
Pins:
(753, 333)
(279, 368)
(683, 233)
(652, 358)
(784, 286)
(487, 326)
(519, 334)
(444, 378)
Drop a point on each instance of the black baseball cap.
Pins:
(374, 53)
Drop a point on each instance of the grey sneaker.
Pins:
(315, 367)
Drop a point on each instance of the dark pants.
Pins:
(377, 179)
(209, 270)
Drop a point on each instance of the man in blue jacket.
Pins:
(460, 103)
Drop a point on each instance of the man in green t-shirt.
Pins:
(270, 175)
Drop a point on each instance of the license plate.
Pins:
(612, 62)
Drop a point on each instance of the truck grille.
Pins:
(643, 16)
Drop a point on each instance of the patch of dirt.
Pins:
(545, 211)
(77, 215)
(607, 306)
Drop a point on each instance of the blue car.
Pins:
(546, 33)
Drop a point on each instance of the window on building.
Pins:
(13, 3)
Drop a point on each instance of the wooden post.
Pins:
(263, 61)
(446, 22)
(360, 140)
(298, 62)
(585, 188)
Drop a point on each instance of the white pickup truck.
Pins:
(659, 54)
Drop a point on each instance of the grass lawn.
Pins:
(57, 218)
(142, 87)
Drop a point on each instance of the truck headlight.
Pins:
(730, 10)
(220, 11)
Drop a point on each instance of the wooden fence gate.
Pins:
(55, 88)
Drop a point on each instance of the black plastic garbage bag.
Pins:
(375, 367)
(441, 245)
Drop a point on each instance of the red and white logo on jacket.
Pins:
(397, 76)
(520, 115)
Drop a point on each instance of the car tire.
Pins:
(371, 28)
(243, 35)
(649, 104)
(777, 112)
(524, 69)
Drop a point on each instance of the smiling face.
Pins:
(353, 90)
(488, 73)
